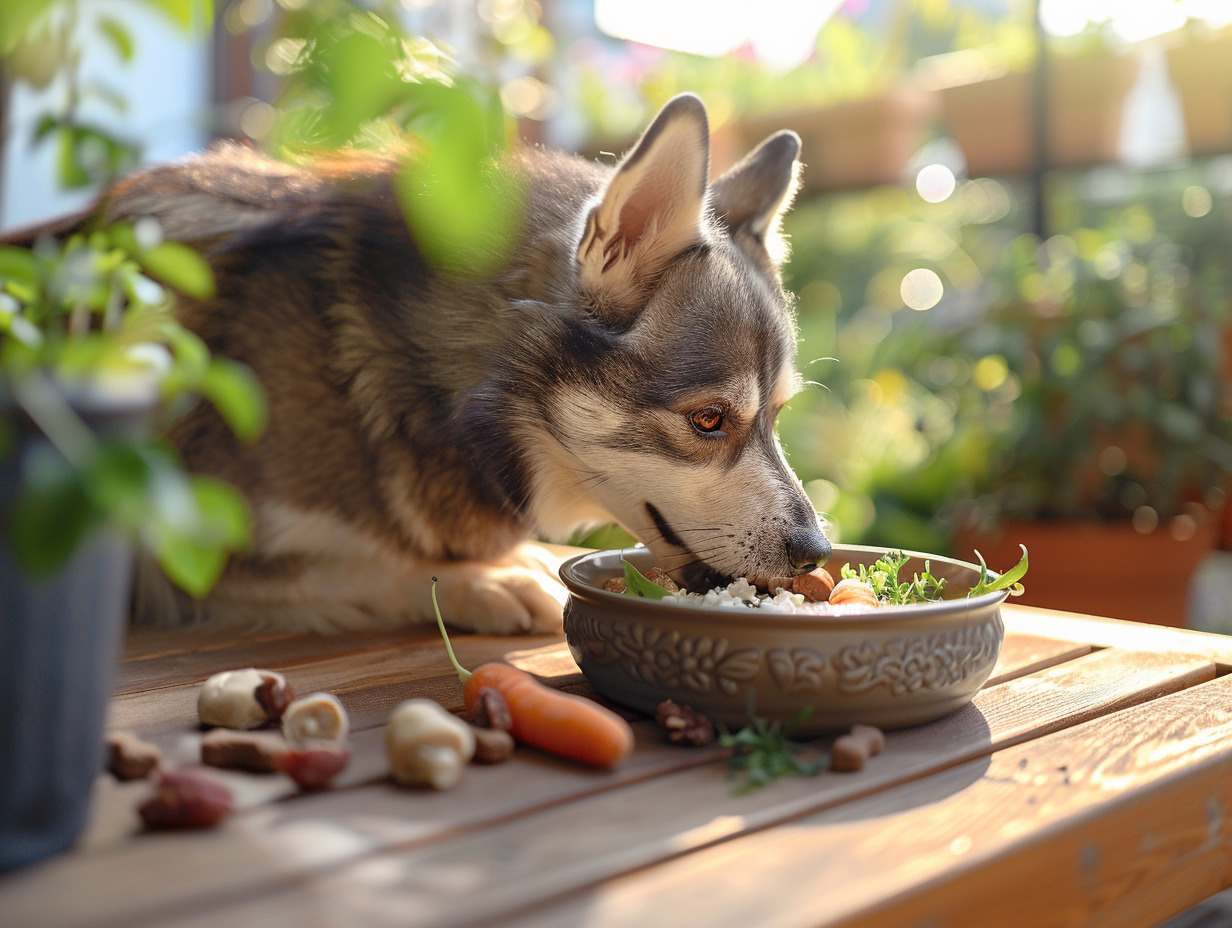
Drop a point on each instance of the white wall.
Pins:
(166, 84)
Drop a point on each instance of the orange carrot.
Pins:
(560, 723)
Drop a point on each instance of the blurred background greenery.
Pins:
(1010, 254)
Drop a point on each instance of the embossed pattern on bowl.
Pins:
(892, 667)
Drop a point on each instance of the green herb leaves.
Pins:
(636, 583)
(1007, 581)
(882, 576)
(762, 750)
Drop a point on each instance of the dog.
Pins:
(626, 364)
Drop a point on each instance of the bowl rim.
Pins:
(734, 615)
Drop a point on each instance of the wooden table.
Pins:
(1090, 783)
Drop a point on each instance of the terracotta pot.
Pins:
(1099, 568)
(992, 119)
(1201, 72)
(859, 143)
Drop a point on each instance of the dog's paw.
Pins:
(518, 595)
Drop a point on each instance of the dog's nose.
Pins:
(807, 548)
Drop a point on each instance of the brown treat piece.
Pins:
(274, 694)
(259, 752)
(684, 724)
(850, 752)
(659, 576)
(491, 710)
(614, 584)
(774, 584)
(815, 586)
(853, 592)
(315, 767)
(186, 799)
(130, 758)
(492, 745)
(873, 737)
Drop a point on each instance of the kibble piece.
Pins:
(491, 710)
(492, 745)
(243, 699)
(614, 584)
(315, 767)
(852, 592)
(257, 751)
(130, 758)
(186, 799)
(851, 751)
(815, 586)
(316, 717)
(659, 576)
(427, 745)
(774, 584)
(684, 724)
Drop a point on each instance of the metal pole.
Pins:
(1039, 135)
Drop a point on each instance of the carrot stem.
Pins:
(463, 673)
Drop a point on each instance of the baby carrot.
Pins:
(560, 723)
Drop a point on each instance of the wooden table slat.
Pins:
(527, 858)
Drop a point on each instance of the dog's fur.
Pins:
(425, 425)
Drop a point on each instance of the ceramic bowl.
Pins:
(891, 667)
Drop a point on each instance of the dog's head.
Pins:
(667, 413)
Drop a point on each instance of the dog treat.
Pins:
(850, 591)
(684, 724)
(427, 745)
(491, 710)
(614, 584)
(314, 767)
(242, 699)
(815, 586)
(774, 584)
(257, 751)
(492, 745)
(186, 799)
(130, 758)
(316, 717)
(659, 576)
(851, 751)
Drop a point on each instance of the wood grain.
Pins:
(561, 847)
(1097, 822)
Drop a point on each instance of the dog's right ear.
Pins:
(650, 211)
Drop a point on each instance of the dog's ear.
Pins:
(752, 197)
(651, 209)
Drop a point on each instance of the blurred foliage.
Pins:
(42, 42)
(84, 321)
(1078, 377)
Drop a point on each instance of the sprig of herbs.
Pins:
(1007, 581)
(882, 576)
(763, 751)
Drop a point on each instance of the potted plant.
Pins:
(988, 104)
(1200, 67)
(91, 364)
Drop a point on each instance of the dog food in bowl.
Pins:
(885, 666)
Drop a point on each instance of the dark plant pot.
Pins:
(59, 642)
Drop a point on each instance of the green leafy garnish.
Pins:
(882, 576)
(762, 751)
(636, 583)
(1007, 581)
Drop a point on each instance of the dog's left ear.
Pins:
(651, 209)
(752, 197)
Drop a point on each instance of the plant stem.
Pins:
(463, 673)
(56, 419)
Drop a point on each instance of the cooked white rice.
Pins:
(742, 594)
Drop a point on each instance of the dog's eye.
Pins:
(708, 420)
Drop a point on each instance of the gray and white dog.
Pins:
(627, 364)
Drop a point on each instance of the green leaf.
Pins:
(636, 583)
(1008, 580)
(52, 516)
(193, 552)
(235, 392)
(180, 267)
(121, 39)
(20, 265)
